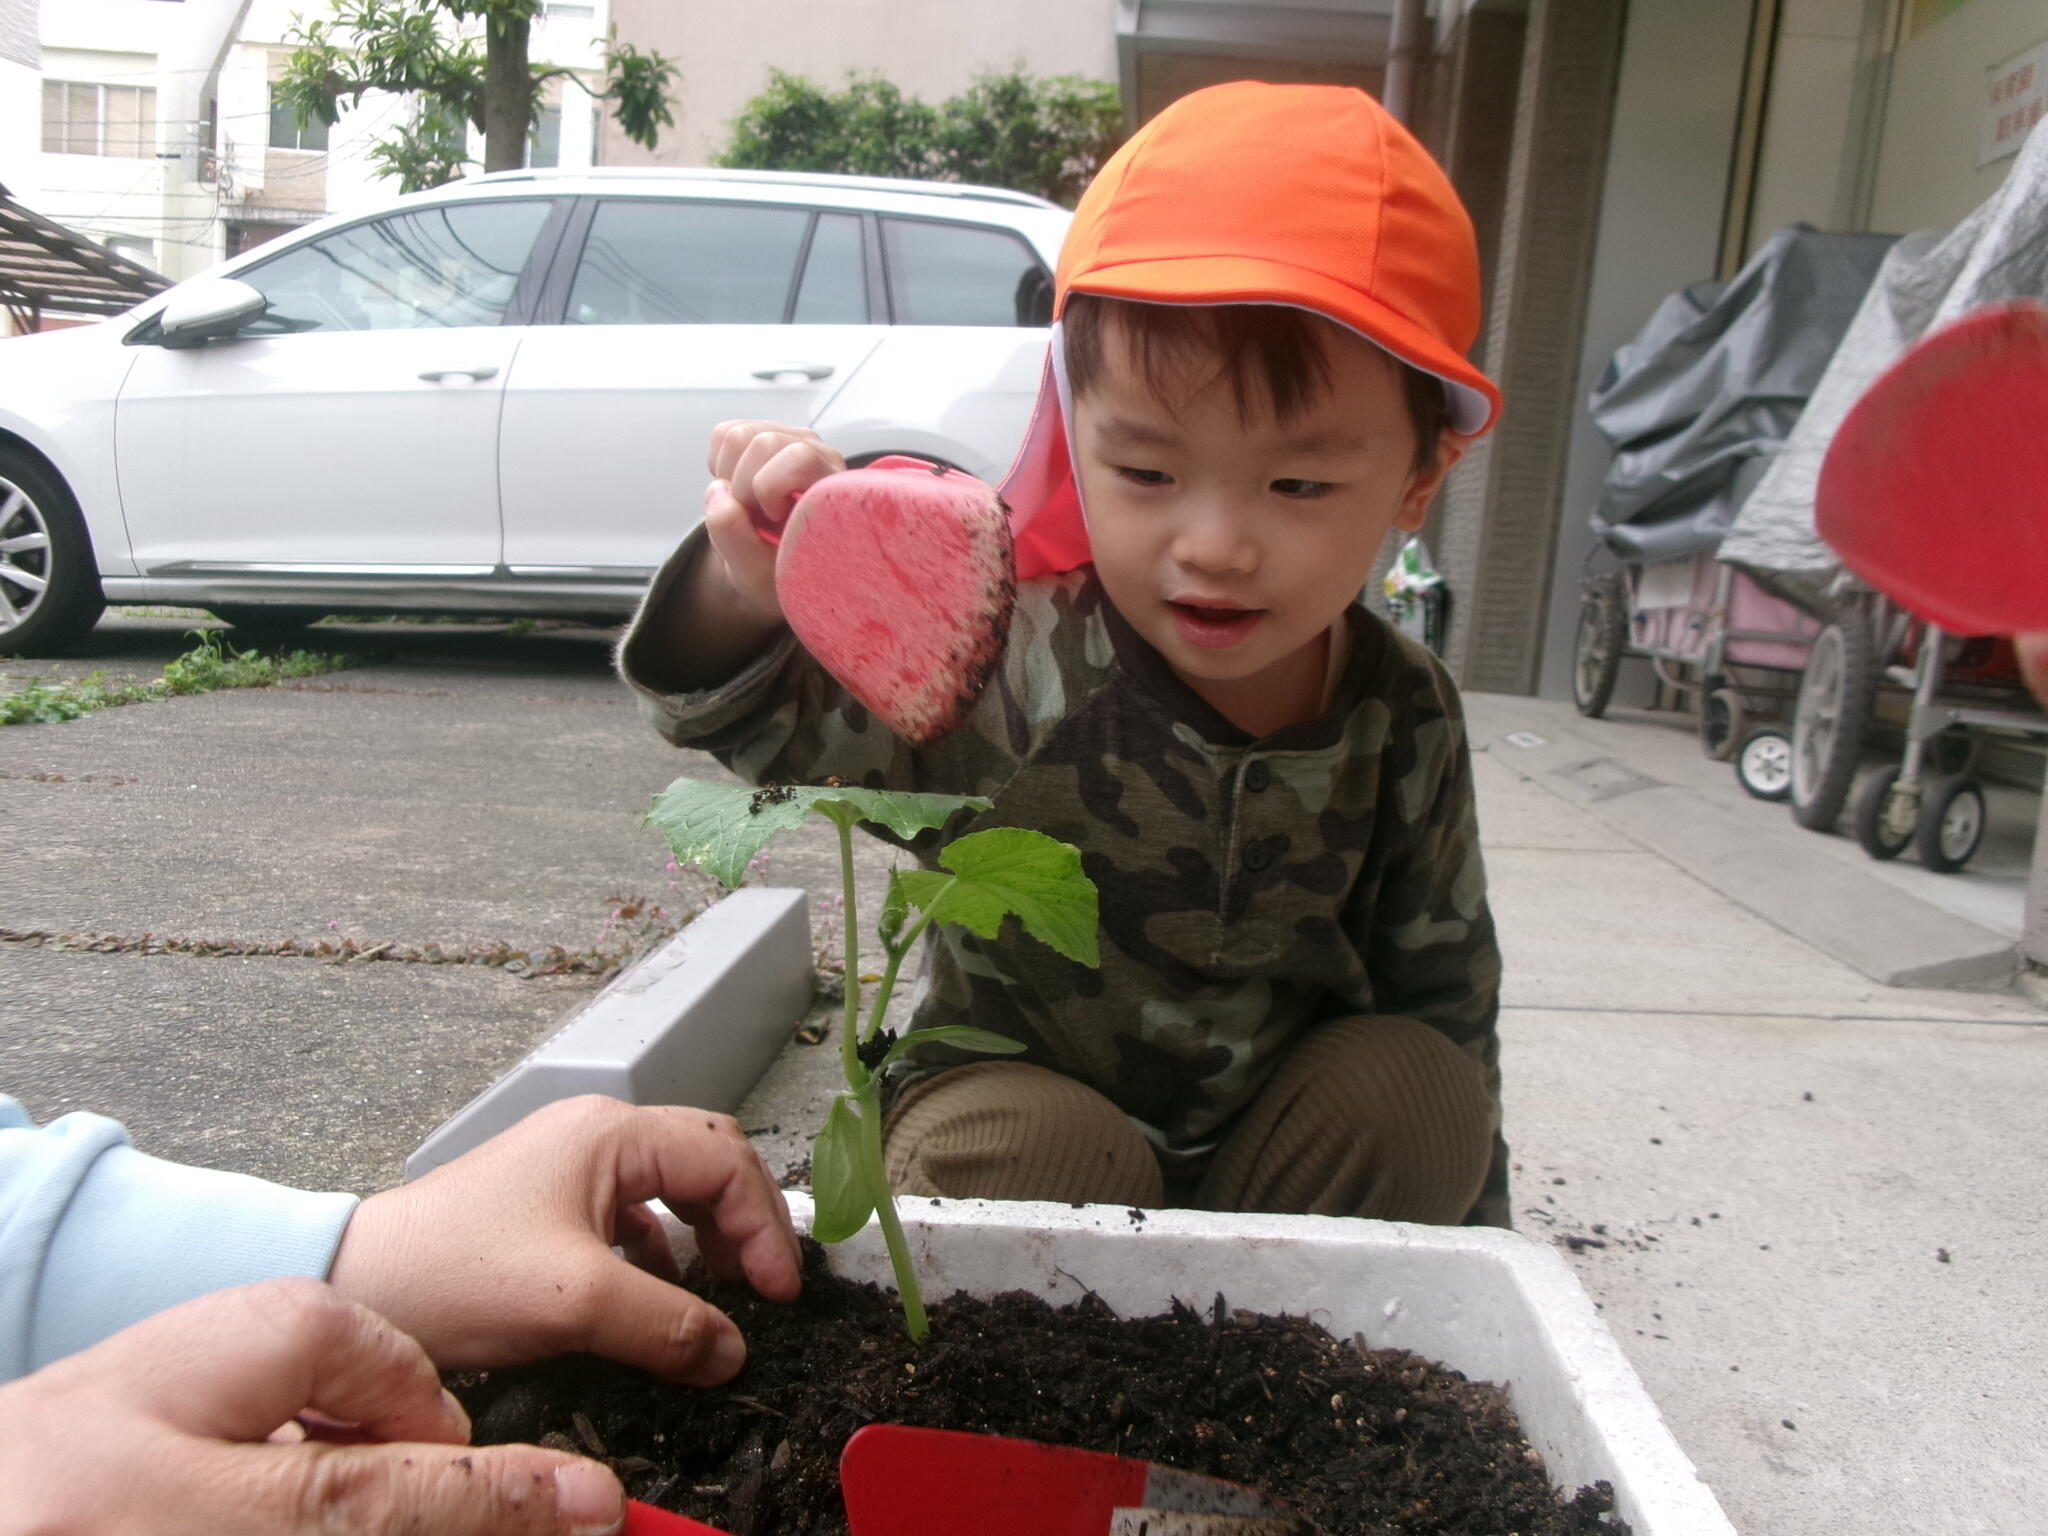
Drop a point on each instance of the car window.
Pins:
(835, 285)
(687, 263)
(451, 266)
(960, 274)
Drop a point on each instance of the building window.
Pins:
(285, 132)
(544, 145)
(82, 118)
(567, 10)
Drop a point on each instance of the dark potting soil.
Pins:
(1364, 1443)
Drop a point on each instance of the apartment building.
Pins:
(151, 126)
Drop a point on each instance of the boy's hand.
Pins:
(760, 468)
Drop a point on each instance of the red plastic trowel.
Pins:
(899, 579)
(1933, 489)
(900, 1481)
(646, 1520)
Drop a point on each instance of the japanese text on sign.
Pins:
(2015, 98)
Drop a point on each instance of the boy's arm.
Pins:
(720, 611)
(779, 716)
(1432, 950)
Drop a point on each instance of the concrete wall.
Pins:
(1827, 57)
(1927, 172)
(1661, 208)
(930, 48)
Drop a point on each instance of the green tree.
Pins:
(406, 47)
(1043, 135)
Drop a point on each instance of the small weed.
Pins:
(521, 626)
(210, 665)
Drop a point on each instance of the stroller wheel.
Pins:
(1837, 695)
(1951, 826)
(1597, 649)
(1886, 815)
(1722, 717)
(1763, 766)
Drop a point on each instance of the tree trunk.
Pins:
(508, 93)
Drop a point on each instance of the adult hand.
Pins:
(506, 1255)
(164, 1428)
(760, 468)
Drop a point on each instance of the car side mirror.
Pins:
(214, 306)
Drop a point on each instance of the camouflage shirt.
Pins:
(1250, 889)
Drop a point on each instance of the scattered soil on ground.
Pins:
(1362, 1443)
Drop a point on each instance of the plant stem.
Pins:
(849, 1039)
(896, 953)
(907, 1289)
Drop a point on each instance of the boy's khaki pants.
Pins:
(1378, 1117)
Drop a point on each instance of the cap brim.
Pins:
(1197, 280)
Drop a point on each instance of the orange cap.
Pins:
(1249, 193)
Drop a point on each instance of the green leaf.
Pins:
(841, 1199)
(904, 813)
(1009, 871)
(964, 1036)
(722, 826)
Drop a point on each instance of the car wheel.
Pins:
(49, 584)
(266, 618)
(1597, 650)
(1763, 766)
(1951, 825)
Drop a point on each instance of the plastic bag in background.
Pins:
(1416, 595)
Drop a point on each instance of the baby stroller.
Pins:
(1958, 695)
(1695, 406)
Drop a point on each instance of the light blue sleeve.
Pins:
(95, 1235)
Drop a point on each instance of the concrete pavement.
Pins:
(1669, 1010)
(1806, 1202)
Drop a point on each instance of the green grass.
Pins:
(210, 665)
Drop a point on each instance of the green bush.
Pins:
(1047, 135)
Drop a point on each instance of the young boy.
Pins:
(1258, 371)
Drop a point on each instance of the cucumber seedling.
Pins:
(985, 878)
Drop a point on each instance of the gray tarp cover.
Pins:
(1998, 253)
(1697, 403)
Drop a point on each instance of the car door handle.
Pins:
(436, 375)
(811, 371)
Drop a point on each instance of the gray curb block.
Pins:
(696, 1022)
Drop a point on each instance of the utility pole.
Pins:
(1405, 43)
(188, 80)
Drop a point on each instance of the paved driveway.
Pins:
(467, 797)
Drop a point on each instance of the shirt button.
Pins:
(1257, 776)
(1257, 856)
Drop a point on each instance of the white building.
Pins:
(152, 127)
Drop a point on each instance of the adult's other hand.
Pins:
(167, 1428)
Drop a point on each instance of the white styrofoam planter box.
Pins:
(695, 1022)
(1493, 1305)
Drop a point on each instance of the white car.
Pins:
(495, 397)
